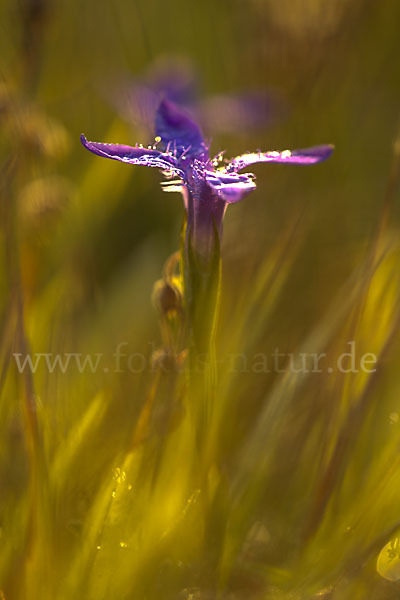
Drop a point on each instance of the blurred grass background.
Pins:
(99, 494)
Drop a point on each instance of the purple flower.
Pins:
(207, 184)
(176, 79)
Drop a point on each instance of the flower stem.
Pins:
(202, 276)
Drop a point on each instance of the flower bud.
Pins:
(166, 297)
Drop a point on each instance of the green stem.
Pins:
(202, 275)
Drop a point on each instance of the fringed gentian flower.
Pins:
(208, 185)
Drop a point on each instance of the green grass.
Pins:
(292, 492)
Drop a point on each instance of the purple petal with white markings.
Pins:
(306, 156)
(136, 155)
(231, 188)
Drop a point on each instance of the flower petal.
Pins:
(231, 188)
(134, 155)
(306, 156)
(178, 132)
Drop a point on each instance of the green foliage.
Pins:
(154, 475)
